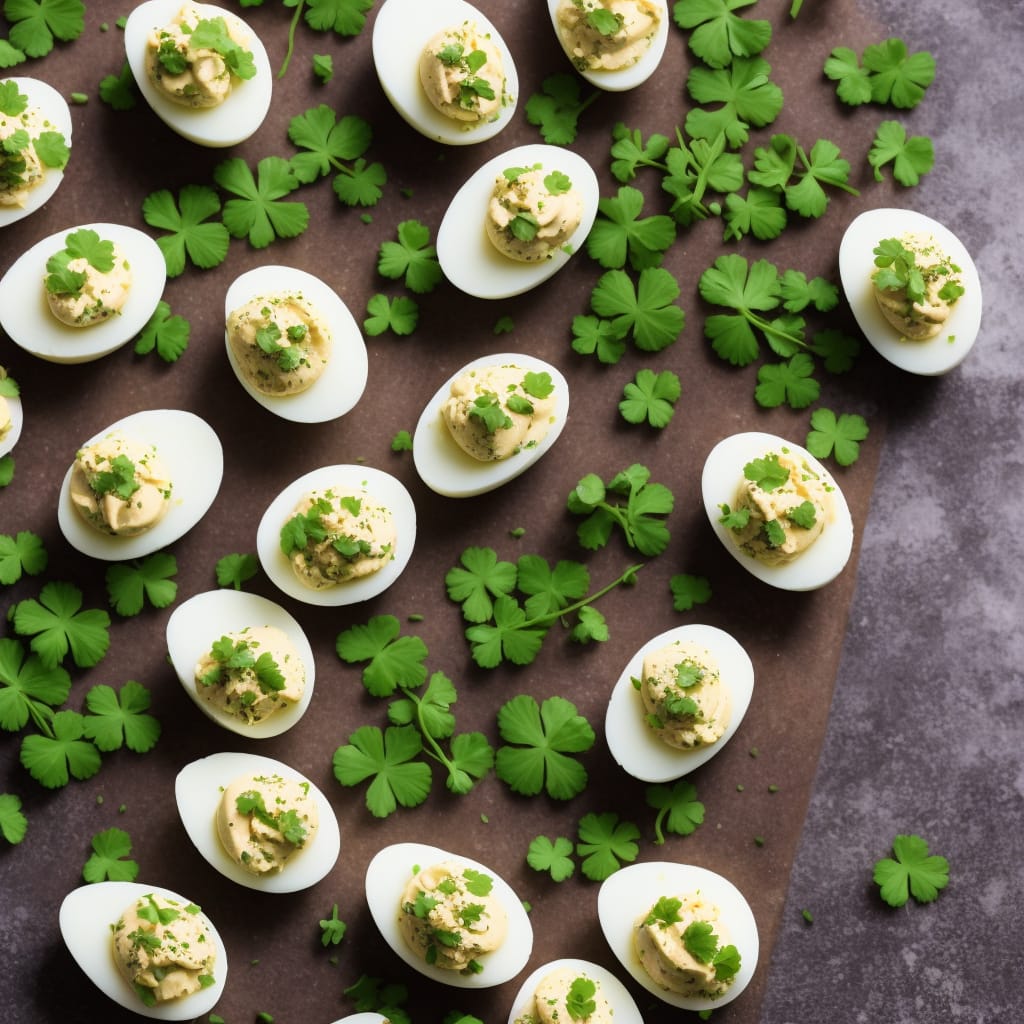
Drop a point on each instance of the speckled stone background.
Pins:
(925, 733)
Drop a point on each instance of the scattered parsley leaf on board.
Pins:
(332, 931)
(345, 17)
(790, 382)
(629, 151)
(592, 625)
(402, 441)
(550, 590)
(747, 96)
(129, 584)
(323, 67)
(374, 994)
(679, 810)
(839, 436)
(37, 24)
(119, 91)
(165, 334)
(837, 351)
(389, 758)
(651, 397)
(22, 553)
(620, 233)
(913, 873)
(690, 170)
(759, 213)
(798, 293)
(853, 82)
(120, 718)
(478, 580)
(688, 590)
(594, 336)
(545, 736)
(399, 315)
(259, 210)
(510, 636)
(504, 325)
(556, 109)
(718, 33)
(108, 861)
(411, 258)
(51, 759)
(605, 843)
(9, 55)
(394, 660)
(911, 158)
(205, 244)
(6, 469)
(890, 74)
(27, 685)
(57, 623)
(13, 824)
(235, 569)
(647, 310)
(553, 857)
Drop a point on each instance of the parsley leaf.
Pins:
(747, 96)
(57, 623)
(678, 808)
(345, 17)
(651, 396)
(117, 718)
(911, 158)
(913, 873)
(787, 382)
(130, 583)
(898, 77)
(37, 24)
(13, 824)
(119, 91)
(389, 758)
(619, 233)
(394, 661)
(400, 315)
(545, 736)
(688, 590)
(27, 686)
(647, 310)
(480, 578)
(235, 569)
(629, 151)
(840, 435)
(593, 336)
(259, 212)
(6, 469)
(22, 553)
(52, 759)
(165, 334)
(719, 34)
(760, 213)
(556, 109)
(553, 857)
(107, 861)
(402, 441)
(411, 258)
(605, 843)
(332, 930)
(206, 245)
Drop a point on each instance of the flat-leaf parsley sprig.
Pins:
(556, 109)
(190, 232)
(890, 74)
(258, 210)
(914, 872)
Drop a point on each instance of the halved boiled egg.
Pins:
(191, 452)
(468, 257)
(401, 32)
(12, 415)
(628, 896)
(196, 624)
(26, 316)
(621, 1007)
(723, 474)
(87, 916)
(389, 875)
(935, 355)
(341, 383)
(365, 1017)
(198, 790)
(445, 467)
(245, 106)
(45, 110)
(633, 51)
(380, 490)
(636, 746)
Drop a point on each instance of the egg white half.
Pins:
(366, 1017)
(634, 744)
(86, 915)
(192, 453)
(636, 74)
(402, 29)
(54, 109)
(26, 317)
(198, 789)
(818, 564)
(390, 871)
(468, 257)
(197, 623)
(227, 124)
(623, 1006)
(446, 469)
(341, 385)
(376, 484)
(634, 889)
(17, 414)
(856, 265)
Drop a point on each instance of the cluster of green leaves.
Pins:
(376, 995)
(718, 34)
(332, 930)
(58, 624)
(165, 334)
(83, 244)
(839, 436)
(910, 157)
(507, 627)
(130, 584)
(37, 25)
(913, 872)
(619, 233)
(886, 73)
(630, 501)
(604, 843)
(556, 109)
(22, 553)
(412, 259)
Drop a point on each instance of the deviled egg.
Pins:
(205, 619)
(89, 920)
(468, 257)
(615, 45)
(446, 69)
(647, 896)
(227, 76)
(290, 845)
(368, 507)
(312, 371)
(642, 741)
(541, 999)
(365, 1017)
(955, 323)
(37, 108)
(12, 416)
(188, 451)
(445, 465)
(27, 316)
(822, 534)
(472, 899)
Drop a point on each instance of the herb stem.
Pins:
(583, 601)
(291, 38)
